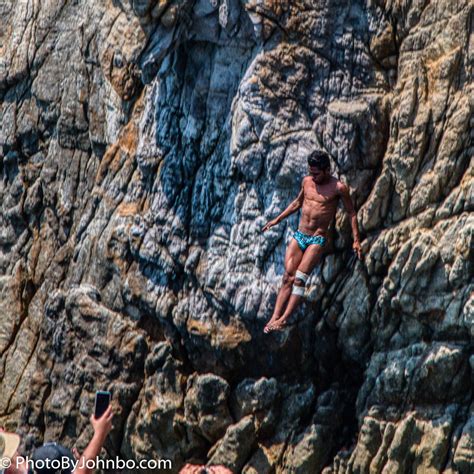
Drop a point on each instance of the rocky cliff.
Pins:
(144, 143)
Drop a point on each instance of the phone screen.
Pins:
(102, 401)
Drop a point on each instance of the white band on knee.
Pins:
(301, 276)
(297, 290)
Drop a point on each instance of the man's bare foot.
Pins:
(268, 327)
(272, 321)
(277, 325)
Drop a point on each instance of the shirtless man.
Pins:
(318, 198)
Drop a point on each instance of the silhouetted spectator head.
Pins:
(53, 458)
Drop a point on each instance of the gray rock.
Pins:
(206, 405)
(237, 443)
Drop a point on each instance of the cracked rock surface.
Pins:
(143, 146)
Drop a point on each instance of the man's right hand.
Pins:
(269, 224)
(103, 425)
(357, 249)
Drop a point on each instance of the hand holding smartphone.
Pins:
(102, 402)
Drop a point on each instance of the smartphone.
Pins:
(102, 402)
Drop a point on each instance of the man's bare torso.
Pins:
(319, 205)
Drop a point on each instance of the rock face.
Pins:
(144, 144)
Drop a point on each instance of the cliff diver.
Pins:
(318, 199)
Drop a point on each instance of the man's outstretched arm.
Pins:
(293, 207)
(349, 207)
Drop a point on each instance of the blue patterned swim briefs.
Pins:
(304, 241)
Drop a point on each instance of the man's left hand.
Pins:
(357, 249)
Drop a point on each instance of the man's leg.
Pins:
(293, 258)
(311, 258)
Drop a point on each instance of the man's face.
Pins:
(318, 174)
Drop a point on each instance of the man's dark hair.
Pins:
(319, 159)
